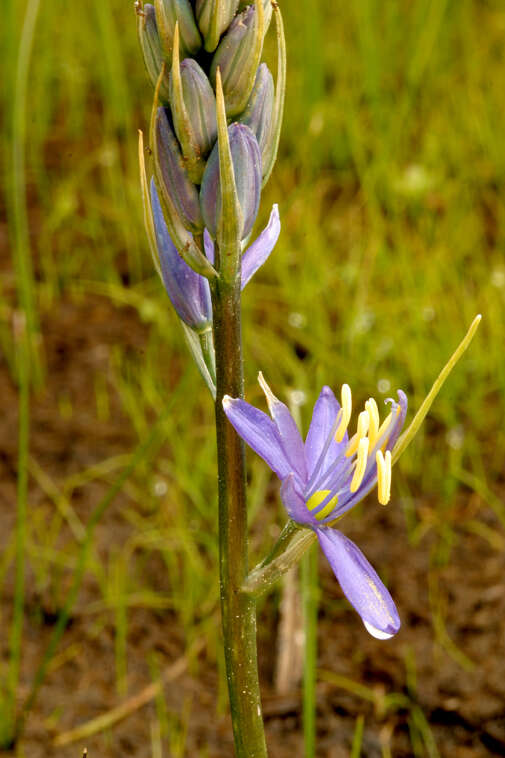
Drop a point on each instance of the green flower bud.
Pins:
(259, 109)
(214, 17)
(238, 57)
(151, 46)
(200, 106)
(171, 174)
(168, 12)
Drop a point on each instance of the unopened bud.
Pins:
(214, 17)
(246, 161)
(238, 57)
(267, 7)
(168, 12)
(259, 109)
(200, 108)
(172, 176)
(188, 291)
(151, 46)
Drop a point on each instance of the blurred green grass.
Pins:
(390, 182)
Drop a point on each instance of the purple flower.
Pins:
(327, 475)
(189, 291)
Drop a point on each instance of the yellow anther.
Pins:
(317, 498)
(361, 460)
(383, 476)
(373, 412)
(384, 425)
(362, 429)
(345, 413)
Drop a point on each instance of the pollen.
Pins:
(316, 499)
(345, 413)
(361, 461)
(383, 476)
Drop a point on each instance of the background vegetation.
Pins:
(390, 182)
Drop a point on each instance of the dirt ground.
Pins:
(459, 662)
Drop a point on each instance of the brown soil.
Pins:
(459, 666)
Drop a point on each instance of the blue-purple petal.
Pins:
(288, 431)
(293, 501)
(360, 583)
(188, 291)
(260, 433)
(323, 419)
(208, 246)
(257, 253)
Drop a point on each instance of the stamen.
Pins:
(373, 412)
(362, 429)
(346, 413)
(315, 501)
(383, 476)
(361, 460)
(382, 428)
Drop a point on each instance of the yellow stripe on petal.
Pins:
(346, 411)
(361, 460)
(383, 476)
(316, 499)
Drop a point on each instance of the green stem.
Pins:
(310, 603)
(237, 608)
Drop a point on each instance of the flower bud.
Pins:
(151, 46)
(267, 7)
(214, 17)
(259, 109)
(172, 176)
(168, 12)
(200, 108)
(238, 57)
(246, 161)
(188, 291)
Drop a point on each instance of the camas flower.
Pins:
(189, 291)
(327, 475)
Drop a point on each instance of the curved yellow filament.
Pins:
(361, 460)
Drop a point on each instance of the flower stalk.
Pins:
(238, 608)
